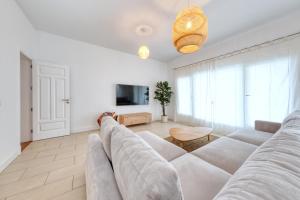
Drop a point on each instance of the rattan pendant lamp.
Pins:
(190, 29)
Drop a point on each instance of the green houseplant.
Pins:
(163, 94)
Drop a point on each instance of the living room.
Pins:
(149, 99)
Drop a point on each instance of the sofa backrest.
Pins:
(136, 171)
(100, 179)
(272, 171)
(141, 173)
(107, 125)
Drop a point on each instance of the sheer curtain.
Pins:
(267, 83)
(229, 90)
(262, 84)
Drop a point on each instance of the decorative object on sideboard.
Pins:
(190, 29)
(163, 94)
(112, 114)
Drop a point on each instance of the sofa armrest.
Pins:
(265, 126)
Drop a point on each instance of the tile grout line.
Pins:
(73, 182)
(61, 194)
(18, 193)
(64, 192)
(61, 167)
(23, 174)
(48, 174)
(74, 160)
(37, 164)
(54, 159)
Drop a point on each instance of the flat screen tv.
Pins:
(132, 95)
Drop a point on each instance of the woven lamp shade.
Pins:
(190, 30)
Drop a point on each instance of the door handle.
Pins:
(66, 100)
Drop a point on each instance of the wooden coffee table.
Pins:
(190, 133)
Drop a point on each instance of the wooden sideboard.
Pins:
(135, 118)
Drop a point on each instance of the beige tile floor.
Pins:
(54, 168)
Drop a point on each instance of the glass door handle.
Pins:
(66, 100)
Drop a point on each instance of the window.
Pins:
(233, 94)
(184, 92)
(267, 91)
(228, 98)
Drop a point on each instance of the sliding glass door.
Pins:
(233, 93)
(228, 98)
(267, 90)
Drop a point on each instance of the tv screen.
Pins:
(132, 95)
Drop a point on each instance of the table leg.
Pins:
(181, 144)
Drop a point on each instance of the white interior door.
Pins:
(51, 101)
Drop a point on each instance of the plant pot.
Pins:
(164, 119)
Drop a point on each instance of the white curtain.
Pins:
(262, 84)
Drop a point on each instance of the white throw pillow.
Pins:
(141, 173)
(107, 125)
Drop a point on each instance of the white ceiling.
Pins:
(112, 23)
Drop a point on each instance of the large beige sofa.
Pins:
(244, 165)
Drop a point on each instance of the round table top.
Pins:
(190, 133)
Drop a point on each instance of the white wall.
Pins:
(272, 30)
(94, 73)
(16, 34)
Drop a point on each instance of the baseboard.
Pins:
(84, 129)
(11, 158)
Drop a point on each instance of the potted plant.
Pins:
(163, 94)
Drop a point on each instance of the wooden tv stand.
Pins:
(135, 118)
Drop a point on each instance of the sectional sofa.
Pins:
(261, 164)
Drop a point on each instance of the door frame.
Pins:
(24, 56)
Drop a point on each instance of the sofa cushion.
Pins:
(100, 179)
(199, 179)
(272, 172)
(292, 121)
(107, 124)
(251, 136)
(166, 149)
(141, 173)
(225, 153)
